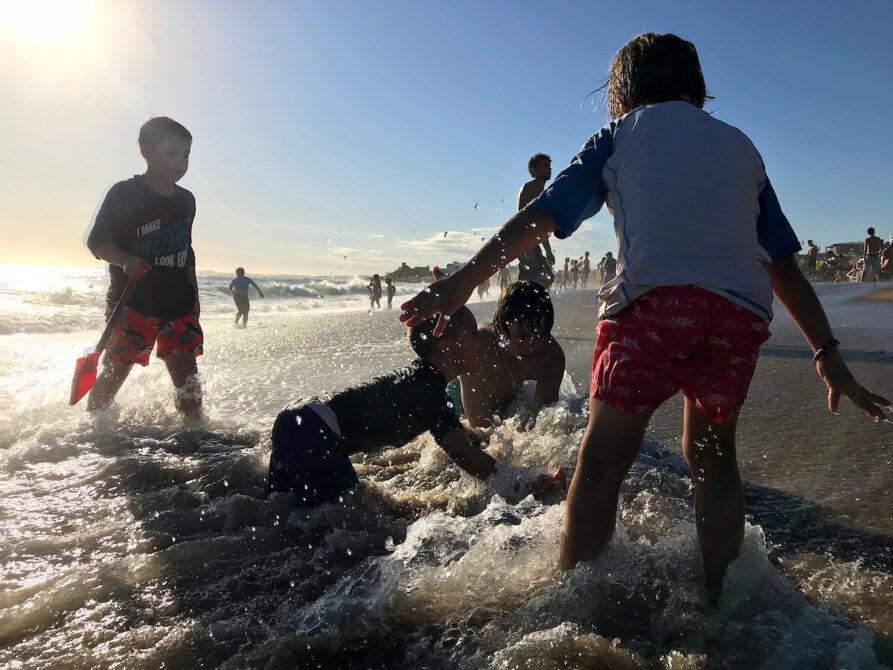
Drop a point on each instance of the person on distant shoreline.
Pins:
(312, 441)
(565, 273)
(392, 290)
(533, 265)
(239, 288)
(675, 318)
(584, 274)
(575, 273)
(887, 257)
(610, 266)
(517, 346)
(484, 289)
(144, 225)
(601, 271)
(375, 292)
(874, 245)
(812, 256)
(504, 278)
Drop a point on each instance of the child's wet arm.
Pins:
(797, 295)
(473, 460)
(526, 229)
(549, 384)
(795, 292)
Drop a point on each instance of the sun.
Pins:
(51, 23)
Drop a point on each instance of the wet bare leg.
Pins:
(108, 383)
(184, 374)
(709, 449)
(609, 448)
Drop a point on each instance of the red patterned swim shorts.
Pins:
(677, 338)
(134, 336)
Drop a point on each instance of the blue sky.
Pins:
(344, 137)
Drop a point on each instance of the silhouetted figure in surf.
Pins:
(392, 290)
(375, 292)
(239, 288)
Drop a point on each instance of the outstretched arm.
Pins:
(523, 231)
(256, 288)
(795, 292)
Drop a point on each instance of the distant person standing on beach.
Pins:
(533, 265)
(484, 289)
(610, 267)
(239, 288)
(375, 292)
(565, 273)
(584, 274)
(144, 225)
(504, 278)
(887, 257)
(392, 290)
(812, 256)
(874, 245)
(689, 306)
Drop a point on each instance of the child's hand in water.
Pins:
(547, 485)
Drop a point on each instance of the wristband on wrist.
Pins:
(828, 346)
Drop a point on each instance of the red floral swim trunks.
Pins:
(677, 338)
(134, 336)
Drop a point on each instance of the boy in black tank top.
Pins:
(312, 440)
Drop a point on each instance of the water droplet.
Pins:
(225, 483)
(475, 205)
(449, 404)
(447, 317)
(349, 552)
(298, 419)
(328, 239)
(533, 225)
(423, 336)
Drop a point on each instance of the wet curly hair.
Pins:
(653, 68)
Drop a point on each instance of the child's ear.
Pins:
(145, 151)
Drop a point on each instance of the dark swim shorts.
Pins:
(134, 336)
(308, 458)
(242, 302)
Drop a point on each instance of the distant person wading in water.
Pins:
(239, 288)
(375, 292)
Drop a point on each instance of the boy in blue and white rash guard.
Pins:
(702, 245)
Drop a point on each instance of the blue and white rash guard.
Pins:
(691, 202)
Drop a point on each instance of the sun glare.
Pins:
(51, 23)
